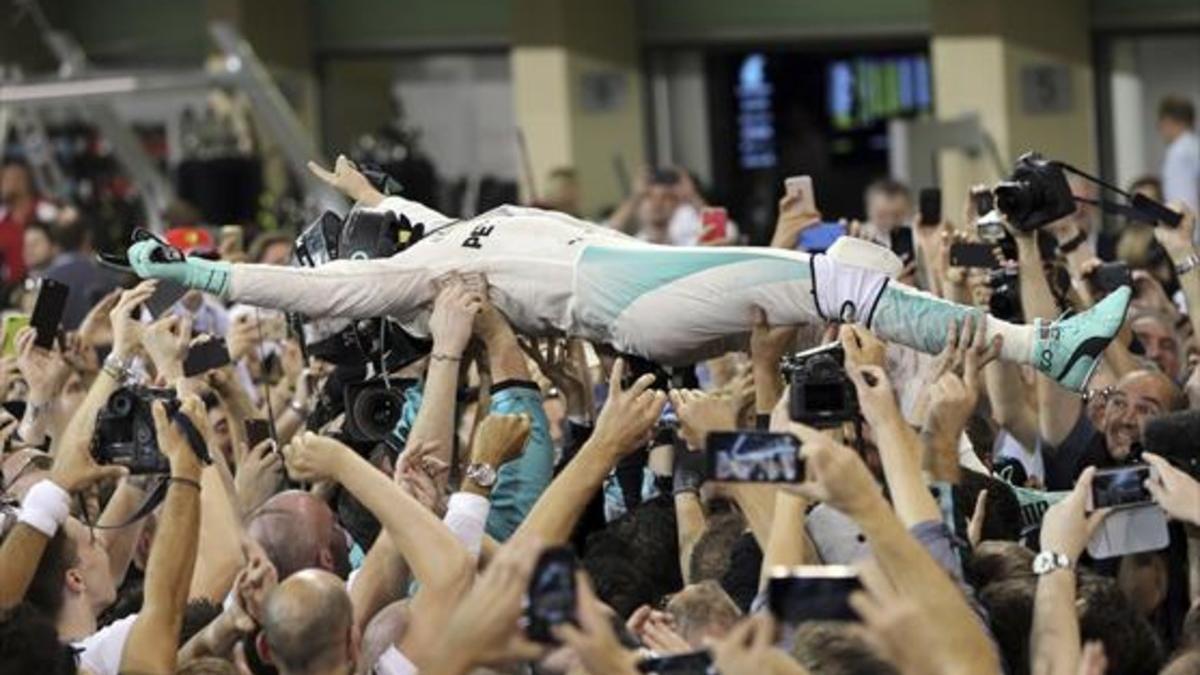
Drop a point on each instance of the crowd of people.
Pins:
(150, 525)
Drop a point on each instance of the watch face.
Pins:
(482, 474)
(1047, 561)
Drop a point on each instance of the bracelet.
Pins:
(1072, 243)
(180, 480)
(115, 367)
(1187, 264)
(444, 357)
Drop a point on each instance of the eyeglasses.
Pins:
(1098, 394)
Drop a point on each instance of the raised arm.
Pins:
(836, 476)
(1178, 242)
(154, 638)
(1058, 408)
(624, 421)
(45, 371)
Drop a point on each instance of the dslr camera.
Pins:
(1036, 194)
(125, 434)
(374, 406)
(1005, 303)
(822, 394)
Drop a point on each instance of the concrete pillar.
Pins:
(1025, 67)
(577, 91)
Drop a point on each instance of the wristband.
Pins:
(45, 507)
(1187, 264)
(179, 480)
(1072, 243)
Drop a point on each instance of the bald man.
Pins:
(308, 626)
(299, 531)
(1138, 396)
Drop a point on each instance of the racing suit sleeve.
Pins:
(355, 289)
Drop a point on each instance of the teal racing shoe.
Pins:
(1068, 350)
(152, 259)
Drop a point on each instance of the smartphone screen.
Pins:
(551, 596)
(687, 663)
(813, 593)
(1111, 276)
(714, 224)
(902, 243)
(257, 431)
(48, 312)
(930, 202)
(802, 187)
(818, 238)
(204, 356)
(1121, 487)
(753, 457)
(165, 295)
(965, 254)
(13, 323)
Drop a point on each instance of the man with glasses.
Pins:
(1137, 397)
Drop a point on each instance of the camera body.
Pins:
(1036, 194)
(1005, 302)
(125, 433)
(822, 394)
(373, 406)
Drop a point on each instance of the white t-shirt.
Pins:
(101, 651)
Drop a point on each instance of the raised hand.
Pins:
(44, 370)
(1178, 240)
(126, 331)
(311, 458)
(96, 329)
(835, 474)
(700, 413)
(453, 317)
(1174, 490)
(500, 439)
(259, 476)
(861, 346)
(174, 442)
(347, 179)
(1067, 527)
(166, 341)
(593, 638)
(629, 414)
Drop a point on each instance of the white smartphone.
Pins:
(802, 187)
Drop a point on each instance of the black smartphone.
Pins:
(636, 367)
(902, 243)
(753, 457)
(813, 593)
(257, 431)
(166, 294)
(48, 312)
(1111, 276)
(1121, 487)
(966, 254)
(550, 600)
(930, 202)
(204, 356)
(687, 663)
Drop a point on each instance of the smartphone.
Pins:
(13, 323)
(687, 663)
(753, 457)
(1111, 276)
(714, 224)
(205, 356)
(812, 593)
(930, 202)
(257, 431)
(902, 243)
(636, 367)
(550, 599)
(164, 297)
(1120, 487)
(818, 238)
(966, 254)
(48, 312)
(802, 187)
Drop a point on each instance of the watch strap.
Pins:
(1073, 243)
(1187, 264)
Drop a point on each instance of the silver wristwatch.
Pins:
(1048, 561)
(482, 474)
(116, 367)
(1188, 264)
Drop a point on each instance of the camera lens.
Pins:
(376, 412)
(121, 403)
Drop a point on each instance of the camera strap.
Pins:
(1140, 207)
(154, 496)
